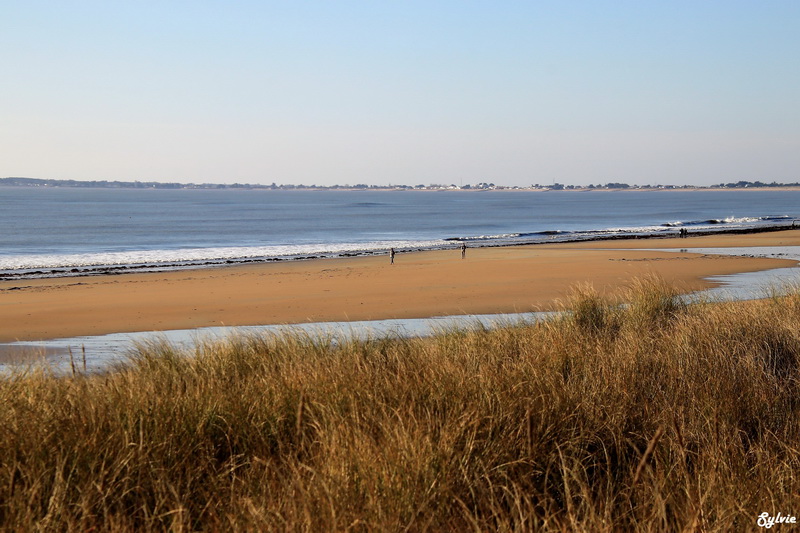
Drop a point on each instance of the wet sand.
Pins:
(418, 285)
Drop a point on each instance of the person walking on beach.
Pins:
(463, 250)
(391, 256)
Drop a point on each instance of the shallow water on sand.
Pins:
(103, 351)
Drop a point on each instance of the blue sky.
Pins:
(407, 92)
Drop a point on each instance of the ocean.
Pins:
(51, 231)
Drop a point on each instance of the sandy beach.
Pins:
(418, 285)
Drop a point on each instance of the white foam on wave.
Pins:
(198, 255)
(491, 237)
(740, 220)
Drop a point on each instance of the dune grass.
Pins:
(650, 416)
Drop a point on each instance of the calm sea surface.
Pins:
(63, 231)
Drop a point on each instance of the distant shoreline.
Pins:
(480, 187)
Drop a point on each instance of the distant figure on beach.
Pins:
(463, 250)
(391, 256)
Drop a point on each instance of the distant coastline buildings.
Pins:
(482, 186)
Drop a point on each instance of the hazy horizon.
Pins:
(513, 93)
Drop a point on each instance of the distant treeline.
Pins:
(36, 182)
(617, 185)
(748, 184)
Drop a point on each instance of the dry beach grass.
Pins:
(652, 416)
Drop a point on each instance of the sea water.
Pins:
(52, 231)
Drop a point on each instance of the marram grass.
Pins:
(650, 416)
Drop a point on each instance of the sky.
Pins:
(401, 92)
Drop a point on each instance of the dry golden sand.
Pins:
(421, 284)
